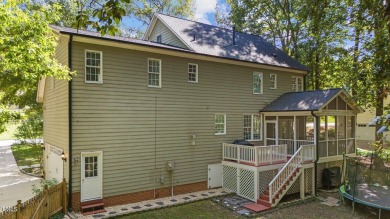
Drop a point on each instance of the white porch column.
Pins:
(295, 134)
(302, 184)
(256, 178)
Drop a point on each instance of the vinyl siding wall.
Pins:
(55, 113)
(140, 128)
(168, 37)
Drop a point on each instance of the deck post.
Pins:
(256, 183)
(302, 184)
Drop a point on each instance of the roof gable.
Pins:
(168, 36)
(306, 101)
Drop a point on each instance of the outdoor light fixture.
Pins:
(63, 156)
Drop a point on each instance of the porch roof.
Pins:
(303, 101)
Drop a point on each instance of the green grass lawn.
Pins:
(201, 209)
(26, 155)
(9, 134)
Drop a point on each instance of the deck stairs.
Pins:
(92, 207)
(282, 182)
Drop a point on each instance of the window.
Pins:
(257, 83)
(193, 73)
(297, 83)
(273, 81)
(154, 73)
(159, 38)
(220, 124)
(91, 166)
(252, 127)
(93, 67)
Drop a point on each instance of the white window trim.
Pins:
(101, 67)
(252, 126)
(261, 83)
(196, 73)
(224, 122)
(276, 80)
(296, 84)
(160, 73)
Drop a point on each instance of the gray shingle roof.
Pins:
(216, 41)
(115, 38)
(301, 101)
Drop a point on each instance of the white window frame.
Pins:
(101, 67)
(273, 83)
(294, 86)
(159, 73)
(224, 123)
(196, 73)
(259, 83)
(252, 126)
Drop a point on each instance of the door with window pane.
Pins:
(271, 132)
(91, 176)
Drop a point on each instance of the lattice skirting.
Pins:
(322, 166)
(229, 181)
(309, 180)
(265, 177)
(247, 184)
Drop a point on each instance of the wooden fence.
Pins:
(52, 200)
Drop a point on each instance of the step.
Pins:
(265, 197)
(96, 205)
(263, 202)
(94, 212)
(256, 207)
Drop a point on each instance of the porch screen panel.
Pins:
(341, 134)
(350, 134)
(309, 120)
(322, 144)
(332, 143)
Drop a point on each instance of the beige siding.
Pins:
(368, 133)
(138, 128)
(55, 107)
(168, 37)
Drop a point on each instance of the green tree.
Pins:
(27, 47)
(107, 15)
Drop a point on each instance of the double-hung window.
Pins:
(257, 83)
(252, 127)
(93, 66)
(273, 79)
(154, 73)
(297, 83)
(220, 124)
(193, 73)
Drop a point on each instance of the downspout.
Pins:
(317, 155)
(70, 44)
(304, 80)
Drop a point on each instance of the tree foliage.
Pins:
(107, 15)
(27, 47)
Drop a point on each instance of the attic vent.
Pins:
(194, 38)
(159, 39)
(234, 35)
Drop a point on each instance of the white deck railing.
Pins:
(255, 155)
(304, 153)
(291, 146)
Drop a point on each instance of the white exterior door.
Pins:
(55, 165)
(91, 176)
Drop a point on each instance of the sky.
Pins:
(204, 13)
(205, 10)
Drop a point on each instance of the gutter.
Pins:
(317, 155)
(178, 49)
(70, 44)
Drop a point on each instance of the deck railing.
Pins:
(304, 154)
(292, 147)
(254, 155)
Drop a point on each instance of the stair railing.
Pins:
(284, 174)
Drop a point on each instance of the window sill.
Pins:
(93, 82)
(220, 134)
(154, 86)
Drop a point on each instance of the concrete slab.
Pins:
(14, 185)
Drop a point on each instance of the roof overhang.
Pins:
(176, 52)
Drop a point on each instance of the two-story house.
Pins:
(143, 119)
